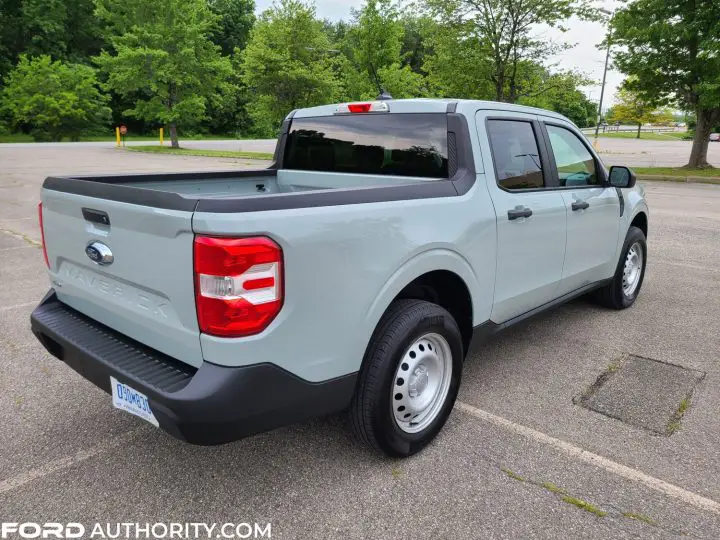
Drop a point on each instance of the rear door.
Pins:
(531, 218)
(147, 291)
(593, 208)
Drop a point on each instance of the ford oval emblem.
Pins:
(99, 253)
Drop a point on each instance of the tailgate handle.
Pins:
(96, 216)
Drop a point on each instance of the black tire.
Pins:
(371, 410)
(612, 294)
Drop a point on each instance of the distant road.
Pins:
(631, 152)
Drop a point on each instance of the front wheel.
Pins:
(410, 378)
(623, 290)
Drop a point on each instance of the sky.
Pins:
(584, 55)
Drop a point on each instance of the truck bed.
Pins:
(214, 187)
(248, 190)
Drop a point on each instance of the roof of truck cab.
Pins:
(430, 105)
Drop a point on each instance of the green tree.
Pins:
(672, 49)
(287, 64)
(162, 54)
(373, 48)
(64, 29)
(43, 23)
(415, 48)
(502, 33)
(54, 99)
(633, 108)
(458, 64)
(236, 19)
(556, 91)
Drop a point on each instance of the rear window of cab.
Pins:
(410, 144)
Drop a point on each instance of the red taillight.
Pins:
(42, 234)
(238, 284)
(359, 107)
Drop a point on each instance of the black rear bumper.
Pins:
(209, 405)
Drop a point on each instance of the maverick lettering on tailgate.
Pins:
(112, 288)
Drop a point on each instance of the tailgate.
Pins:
(147, 291)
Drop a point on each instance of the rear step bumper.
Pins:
(209, 405)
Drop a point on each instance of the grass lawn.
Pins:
(678, 171)
(204, 153)
(679, 135)
(674, 136)
(15, 138)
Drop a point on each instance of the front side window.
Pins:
(516, 155)
(388, 144)
(575, 164)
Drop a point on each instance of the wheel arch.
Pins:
(442, 277)
(640, 220)
(449, 291)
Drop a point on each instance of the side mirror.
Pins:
(622, 177)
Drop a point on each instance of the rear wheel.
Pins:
(410, 378)
(623, 290)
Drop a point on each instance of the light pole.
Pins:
(602, 89)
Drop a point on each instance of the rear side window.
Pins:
(516, 155)
(394, 144)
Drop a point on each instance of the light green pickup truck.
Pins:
(351, 275)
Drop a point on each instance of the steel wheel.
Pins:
(421, 383)
(632, 270)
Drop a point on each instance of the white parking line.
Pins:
(590, 458)
(16, 306)
(63, 463)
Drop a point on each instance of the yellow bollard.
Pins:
(117, 137)
(161, 136)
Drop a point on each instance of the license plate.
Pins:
(130, 400)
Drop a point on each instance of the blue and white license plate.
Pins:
(130, 400)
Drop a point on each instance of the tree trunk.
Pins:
(513, 92)
(639, 129)
(706, 118)
(500, 89)
(173, 136)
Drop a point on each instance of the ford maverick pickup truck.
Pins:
(351, 275)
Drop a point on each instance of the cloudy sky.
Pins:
(584, 55)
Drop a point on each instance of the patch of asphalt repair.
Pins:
(643, 392)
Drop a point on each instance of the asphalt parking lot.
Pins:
(517, 459)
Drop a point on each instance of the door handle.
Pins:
(519, 212)
(580, 205)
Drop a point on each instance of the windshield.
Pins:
(390, 144)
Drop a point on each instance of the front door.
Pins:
(593, 210)
(531, 217)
